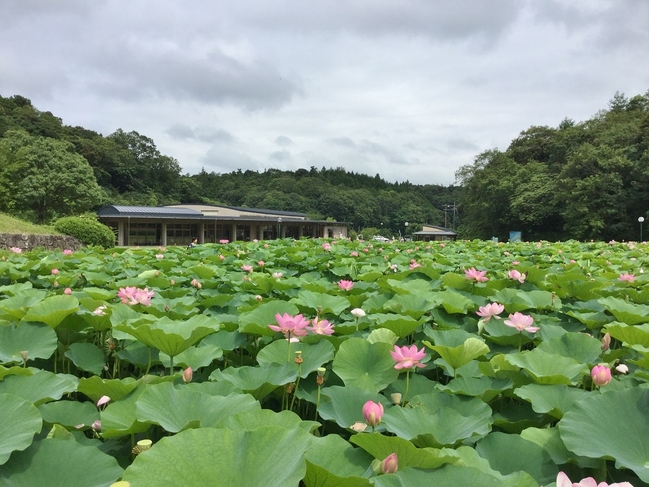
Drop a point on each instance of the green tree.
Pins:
(46, 177)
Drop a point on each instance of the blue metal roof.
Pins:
(149, 211)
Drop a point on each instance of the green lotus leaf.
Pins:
(401, 325)
(382, 335)
(548, 368)
(256, 322)
(380, 446)
(87, 356)
(333, 461)
(578, 346)
(52, 310)
(631, 335)
(254, 418)
(226, 340)
(41, 387)
(453, 302)
(554, 399)
(438, 419)
(313, 355)
(38, 340)
(592, 319)
(69, 413)
(344, 405)
(321, 303)
(95, 387)
(176, 409)
(19, 422)
(257, 381)
(140, 355)
(194, 357)
(170, 336)
(17, 306)
(519, 300)
(98, 293)
(120, 416)
(365, 365)
(497, 447)
(629, 313)
(550, 440)
(486, 388)
(461, 355)
(15, 370)
(60, 463)
(271, 456)
(408, 304)
(624, 437)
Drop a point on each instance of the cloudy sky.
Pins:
(408, 89)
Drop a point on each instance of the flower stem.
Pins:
(407, 386)
(317, 404)
(297, 384)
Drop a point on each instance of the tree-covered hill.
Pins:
(48, 170)
(585, 180)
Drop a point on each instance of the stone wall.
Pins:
(28, 241)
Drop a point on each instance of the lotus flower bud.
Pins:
(24, 354)
(601, 375)
(373, 412)
(622, 369)
(96, 425)
(357, 313)
(67, 291)
(390, 464)
(188, 374)
(606, 341)
(103, 400)
(396, 398)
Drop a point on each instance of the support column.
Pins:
(163, 237)
(234, 232)
(201, 233)
(120, 233)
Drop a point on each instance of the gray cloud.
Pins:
(342, 141)
(283, 141)
(281, 156)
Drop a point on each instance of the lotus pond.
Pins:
(325, 363)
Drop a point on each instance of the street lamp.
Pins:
(406, 231)
(640, 220)
(279, 228)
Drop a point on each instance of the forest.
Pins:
(581, 180)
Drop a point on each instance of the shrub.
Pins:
(86, 229)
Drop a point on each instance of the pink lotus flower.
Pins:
(354, 254)
(516, 275)
(601, 375)
(345, 285)
(143, 296)
(100, 311)
(414, 264)
(127, 293)
(96, 425)
(626, 277)
(491, 310)
(407, 357)
(373, 412)
(68, 252)
(290, 325)
(321, 327)
(67, 291)
(159, 256)
(390, 464)
(246, 268)
(476, 275)
(55, 272)
(326, 246)
(16, 250)
(278, 275)
(224, 241)
(261, 263)
(521, 322)
(196, 284)
(564, 481)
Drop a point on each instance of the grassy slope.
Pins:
(9, 224)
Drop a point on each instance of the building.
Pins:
(179, 224)
(432, 232)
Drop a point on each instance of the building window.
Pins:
(181, 233)
(243, 232)
(144, 234)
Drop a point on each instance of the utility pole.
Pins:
(450, 208)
